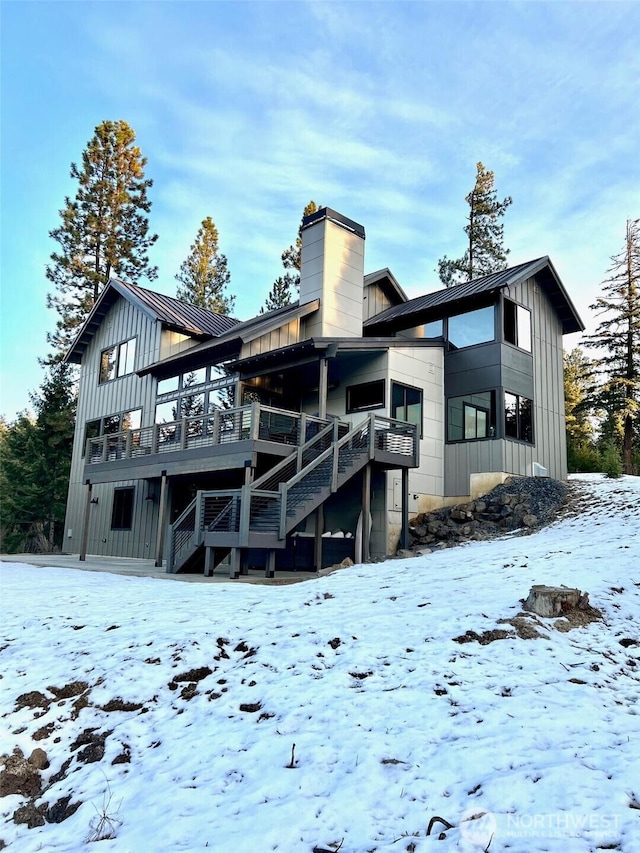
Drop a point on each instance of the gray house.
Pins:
(315, 431)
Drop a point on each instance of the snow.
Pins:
(394, 724)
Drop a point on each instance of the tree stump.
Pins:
(553, 601)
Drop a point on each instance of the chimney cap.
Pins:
(334, 216)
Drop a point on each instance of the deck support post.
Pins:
(404, 530)
(270, 568)
(85, 524)
(161, 513)
(323, 386)
(366, 513)
(209, 561)
(317, 545)
(234, 563)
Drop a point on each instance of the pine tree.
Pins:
(617, 341)
(287, 286)
(579, 381)
(36, 455)
(104, 229)
(280, 294)
(485, 252)
(204, 275)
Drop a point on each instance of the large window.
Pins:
(122, 511)
(112, 424)
(518, 417)
(474, 327)
(369, 395)
(117, 361)
(195, 393)
(471, 417)
(517, 325)
(406, 404)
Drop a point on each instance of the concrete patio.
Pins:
(147, 569)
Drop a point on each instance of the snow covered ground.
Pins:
(393, 720)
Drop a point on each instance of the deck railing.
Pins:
(279, 499)
(221, 427)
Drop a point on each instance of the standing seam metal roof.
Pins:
(487, 283)
(173, 312)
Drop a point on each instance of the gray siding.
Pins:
(537, 375)
(550, 448)
(470, 457)
(471, 370)
(123, 321)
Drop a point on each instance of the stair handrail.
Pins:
(287, 460)
(332, 453)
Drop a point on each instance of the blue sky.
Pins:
(247, 110)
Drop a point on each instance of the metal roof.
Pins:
(418, 310)
(181, 315)
(178, 316)
(228, 344)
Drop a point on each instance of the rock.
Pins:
(30, 815)
(417, 530)
(19, 777)
(403, 553)
(422, 552)
(38, 759)
(530, 520)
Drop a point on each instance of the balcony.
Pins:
(223, 439)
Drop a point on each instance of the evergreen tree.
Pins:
(36, 454)
(287, 286)
(485, 252)
(280, 294)
(617, 341)
(579, 380)
(204, 276)
(104, 229)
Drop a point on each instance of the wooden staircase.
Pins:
(263, 513)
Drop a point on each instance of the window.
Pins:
(117, 361)
(369, 395)
(471, 417)
(406, 404)
(474, 327)
(518, 417)
(122, 512)
(112, 425)
(165, 386)
(433, 329)
(91, 430)
(517, 325)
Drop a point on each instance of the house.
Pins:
(314, 431)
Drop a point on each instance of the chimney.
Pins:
(332, 270)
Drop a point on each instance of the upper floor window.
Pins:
(474, 327)
(117, 360)
(517, 325)
(518, 417)
(368, 395)
(406, 404)
(471, 417)
(432, 329)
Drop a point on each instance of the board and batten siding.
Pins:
(538, 375)
(375, 301)
(122, 322)
(550, 445)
